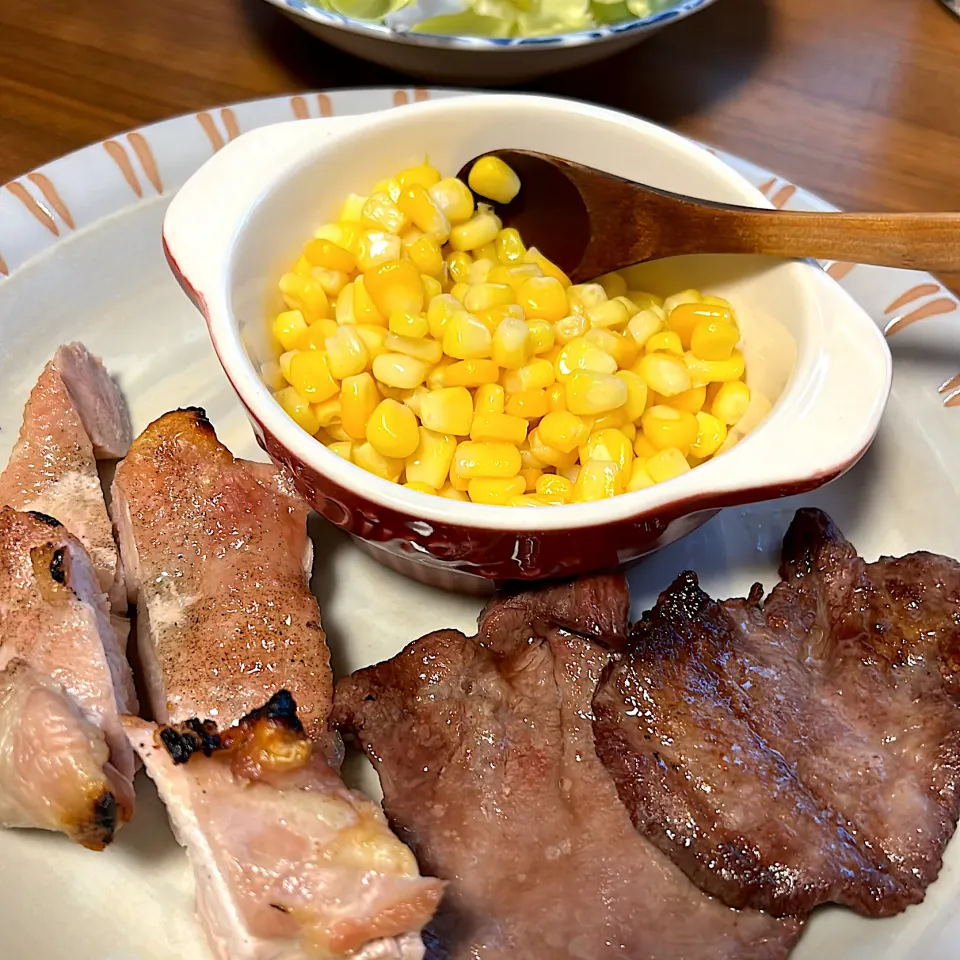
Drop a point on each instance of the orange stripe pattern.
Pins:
(210, 129)
(933, 308)
(914, 293)
(49, 191)
(42, 214)
(145, 155)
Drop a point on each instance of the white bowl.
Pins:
(239, 222)
(480, 61)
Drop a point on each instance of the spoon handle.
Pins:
(929, 241)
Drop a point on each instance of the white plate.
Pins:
(80, 258)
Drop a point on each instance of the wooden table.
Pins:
(858, 100)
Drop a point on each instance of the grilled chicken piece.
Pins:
(802, 748)
(54, 617)
(217, 559)
(289, 863)
(55, 772)
(485, 752)
(74, 415)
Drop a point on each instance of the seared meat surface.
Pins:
(485, 752)
(799, 749)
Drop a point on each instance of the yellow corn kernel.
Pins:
(488, 252)
(331, 281)
(526, 500)
(585, 296)
(542, 337)
(480, 229)
(549, 456)
(373, 338)
(713, 340)
(691, 400)
(686, 316)
(335, 432)
(548, 267)
(511, 344)
(489, 459)
(344, 313)
(448, 410)
(664, 373)
(423, 348)
(714, 371)
(569, 328)
(424, 212)
(272, 375)
(639, 478)
(529, 461)
(613, 418)
(466, 338)
(609, 315)
(440, 310)
(304, 295)
(590, 393)
(298, 408)
(530, 477)
(494, 179)
(358, 399)
(302, 268)
(392, 430)
(423, 174)
(710, 436)
(597, 480)
(330, 255)
(610, 445)
(431, 288)
(636, 394)
(493, 317)
(623, 349)
(456, 481)
(289, 327)
(284, 363)
(316, 334)
(495, 491)
(515, 275)
(667, 341)
(329, 412)
(580, 354)
(628, 305)
(554, 486)
(629, 431)
(510, 248)
(436, 378)
(684, 296)
(458, 266)
(484, 296)
(644, 325)
(367, 456)
(543, 298)
(460, 290)
(400, 370)
(529, 404)
(498, 427)
(449, 492)
(311, 377)
(454, 198)
(556, 397)
(408, 325)
(535, 375)
(346, 353)
(365, 311)
(381, 213)
(412, 398)
(395, 287)
(342, 448)
(613, 285)
(352, 207)
(375, 246)
(489, 398)
(666, 464)
(420, 487)
(642, 447)
(564, 431)
(643, 300)
(731, 402)
(430, 462)
(665, 427)
(425, 255)
(471, 373)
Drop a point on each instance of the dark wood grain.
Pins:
(856, 100)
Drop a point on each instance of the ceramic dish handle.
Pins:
(204, 218)
(827, 417)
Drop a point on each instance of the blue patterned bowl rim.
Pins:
(677, 11)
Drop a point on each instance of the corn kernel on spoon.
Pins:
(589, 223)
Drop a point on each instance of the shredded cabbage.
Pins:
(493, 18)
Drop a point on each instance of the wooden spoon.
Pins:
(589, 223)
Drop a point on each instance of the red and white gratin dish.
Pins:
(242, 218)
